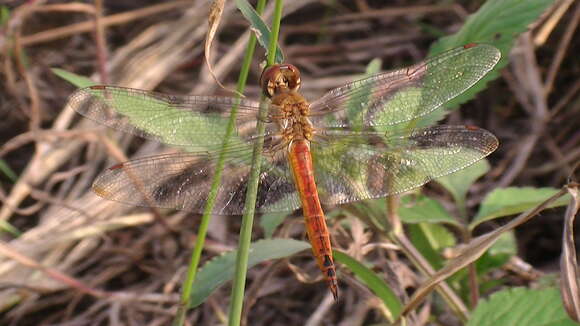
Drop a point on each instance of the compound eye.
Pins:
(268, 79)
(293, 69)
(292, 75)
(280, 78)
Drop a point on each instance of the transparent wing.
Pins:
(351, 166)
(197, 122)
(405, 94)
(183, 181)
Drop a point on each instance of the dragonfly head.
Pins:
(280, 78)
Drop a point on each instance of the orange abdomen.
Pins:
(301, 163)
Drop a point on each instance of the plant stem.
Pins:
(202, 232)
(239, 282)
(275, 31)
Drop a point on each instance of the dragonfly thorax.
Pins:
(293, 116)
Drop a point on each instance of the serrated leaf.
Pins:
(497, 22)
(221, 269)
(458, 183)
(513, 200)
(473, 250)
(270, 221)
(423, 209)
(258, 27)
(372, 281)
(77, 80)
(521, 306)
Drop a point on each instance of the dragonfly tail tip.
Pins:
(334, 291)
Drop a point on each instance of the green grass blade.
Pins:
(7, 171)
(251, 194)
(77, 80)
(259, 28)
(373, 282)
(186, 295)
(219, 270)
(9, 228)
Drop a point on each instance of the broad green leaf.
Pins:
(458, 183)
(270, 221)
(505, 245)
(438, 236)
(521, 306)
(8, 172)
(78, 81)
(372, 281)
(513, 200)
(498, 254)
(497, 22)
(422, 209)
(430, 239)
(258, 27)
(221, 269)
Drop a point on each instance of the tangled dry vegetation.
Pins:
(76, 249)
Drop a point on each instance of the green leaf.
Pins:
(423, 209)
(9, 228)
(373, 67)
(78, 81)
(372, 281)
(497, 22)
(4, 14)
(269, 222)
(430, 239)
(8, 172)
(505, 245)
(258, 27)
(514, 200)
(458, 183)
(221, 269)
(498, 254)
(520, 306)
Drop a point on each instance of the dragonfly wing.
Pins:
(196, 122)
(404, 94)
(183, 181)
(351, 166)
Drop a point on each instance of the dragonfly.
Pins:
(366, 139)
